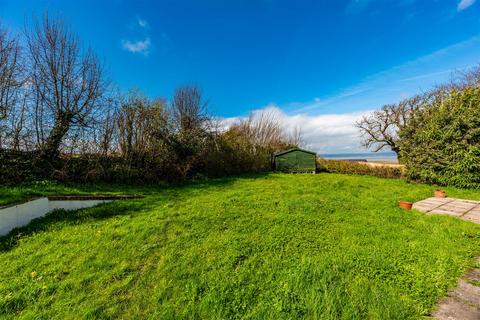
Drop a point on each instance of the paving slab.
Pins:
(447, 212)
(473, 216)
(462, 303)
(452, 309)
(468, 210)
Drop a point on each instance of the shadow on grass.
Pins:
(117, 208)
(76, 217)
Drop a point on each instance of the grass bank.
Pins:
(324, 246)
(24, 192)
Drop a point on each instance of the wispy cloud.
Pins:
(464, 4)
(327, 123)
(398, 82)
(142, 23)
(356, 6)
(139, 30)
(140, 46)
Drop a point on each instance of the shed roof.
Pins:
(291, 150)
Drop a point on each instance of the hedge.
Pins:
(349, 167)
(441, 145)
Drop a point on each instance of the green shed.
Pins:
(295, 160)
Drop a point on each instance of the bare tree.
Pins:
(131, 124)
(189, 109)
(295, 137)
(461, 79)
(10, 70)
(17, 134)
(10, 78)
(264, 128)
(66, 79)
(106, 137)
(191, 128)
(381, 128)
(140, 123)
(265, 131)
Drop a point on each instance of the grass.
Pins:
(323, 246)
(47, 188)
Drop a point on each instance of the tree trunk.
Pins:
(51, 148)
(396, 149)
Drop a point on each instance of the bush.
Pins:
(18, 166)
(348, 167)
(441, 145)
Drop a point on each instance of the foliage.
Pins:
(61, 119)
(10, 73)
(67, 81)
(381, 128)
(349, 167)
(273, 247)
(442, 143)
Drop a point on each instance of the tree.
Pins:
(441, 144)
(257, 137)
(264, 130)
(10, 70)
(188, 109)
(10, 79)
(139, 122)
(381, 128)
(191, 133)
(67, 80)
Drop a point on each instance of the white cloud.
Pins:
(327, 133)
(464, 4)
(327, 123)
(141, 46)
(142, 23)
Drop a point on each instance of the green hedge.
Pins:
(349, 167)
(441, 145)
(17, 166)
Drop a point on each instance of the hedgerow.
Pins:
(441, 144)
(348, 167)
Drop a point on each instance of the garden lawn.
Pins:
(25, 192)
(322, 246)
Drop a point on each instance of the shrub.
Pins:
(348, 167)
(441, 144)
(16, 166)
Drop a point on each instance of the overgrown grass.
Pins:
(323, 246)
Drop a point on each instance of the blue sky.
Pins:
(319, 64)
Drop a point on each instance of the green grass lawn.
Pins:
(47, 188)
(278, 246)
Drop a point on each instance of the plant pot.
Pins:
(405, 205)
(439, 193)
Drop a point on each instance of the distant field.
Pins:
(278, 246)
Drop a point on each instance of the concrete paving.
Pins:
(462, 303)
(464, 209)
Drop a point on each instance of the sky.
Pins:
(319, 65)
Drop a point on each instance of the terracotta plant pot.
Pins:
(439, 193)
(405, 205)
